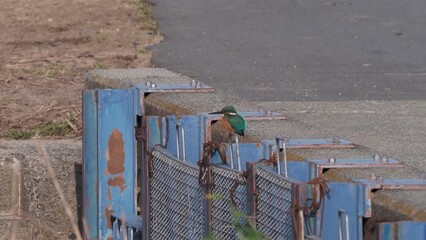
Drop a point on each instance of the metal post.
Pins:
(301, 225)
(280, 142)
(231, 155)
(285, 157)
(180, 128)
(278, 155)
(342, 213)
(237, 145)
(177, 141)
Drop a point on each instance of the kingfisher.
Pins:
(233, 121)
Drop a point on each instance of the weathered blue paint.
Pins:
(313, 143)
(355, 199)
(197, 131)
(116, 173)
(153, 131)
(128, 223)
(191, 126)
(344, 196)
(404, 230)
(90, 164)
(298, 170)
(249, 152)
(367, 185)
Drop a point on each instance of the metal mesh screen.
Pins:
(222, 223)
(177, 206)
(274, 205)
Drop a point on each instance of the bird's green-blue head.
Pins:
(229, 109)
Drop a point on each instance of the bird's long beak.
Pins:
(218, 112)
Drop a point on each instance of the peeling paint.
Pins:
(118, 181)
(109, 194)
(115, 153)
(108, 214)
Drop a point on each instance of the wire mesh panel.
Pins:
(177, 201)
(274, 204)
(222, 221)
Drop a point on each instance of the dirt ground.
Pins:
(48, 46)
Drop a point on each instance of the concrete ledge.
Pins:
(387, 204)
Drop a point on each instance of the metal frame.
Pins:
(402, 230)
(319, 166)
(197, 129)
(184, 186)
(312, 168)
(220, 210)
(208, 119)
(110, 161)
(151, 87)
(254, 193)
(343, 217)
(126, 227)
(378, 183)
(314, 143)
(109, 157)
(355, 199)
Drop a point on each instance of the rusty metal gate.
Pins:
(222, 217)
(273, 199)
(177, 209)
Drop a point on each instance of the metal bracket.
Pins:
(318, 166)
(378, 183)
(270, 198)
(198, 131)
(111, 124)
(208, 119)
(151, 87)
(314, 143)
(355, 198)
(343, 217)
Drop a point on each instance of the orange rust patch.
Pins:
(118, 181)
(115, 153)
(108, 212)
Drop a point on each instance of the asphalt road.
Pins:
(300, 50)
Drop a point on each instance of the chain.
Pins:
(204, 163)
(237, 182)
(312, 205)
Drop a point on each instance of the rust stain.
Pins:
(160, 123)
(109, 194)
(108, 213)
(118, 181)
(89, 203)
(115, 153)
(110, 238)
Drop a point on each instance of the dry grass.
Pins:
(47, 48)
